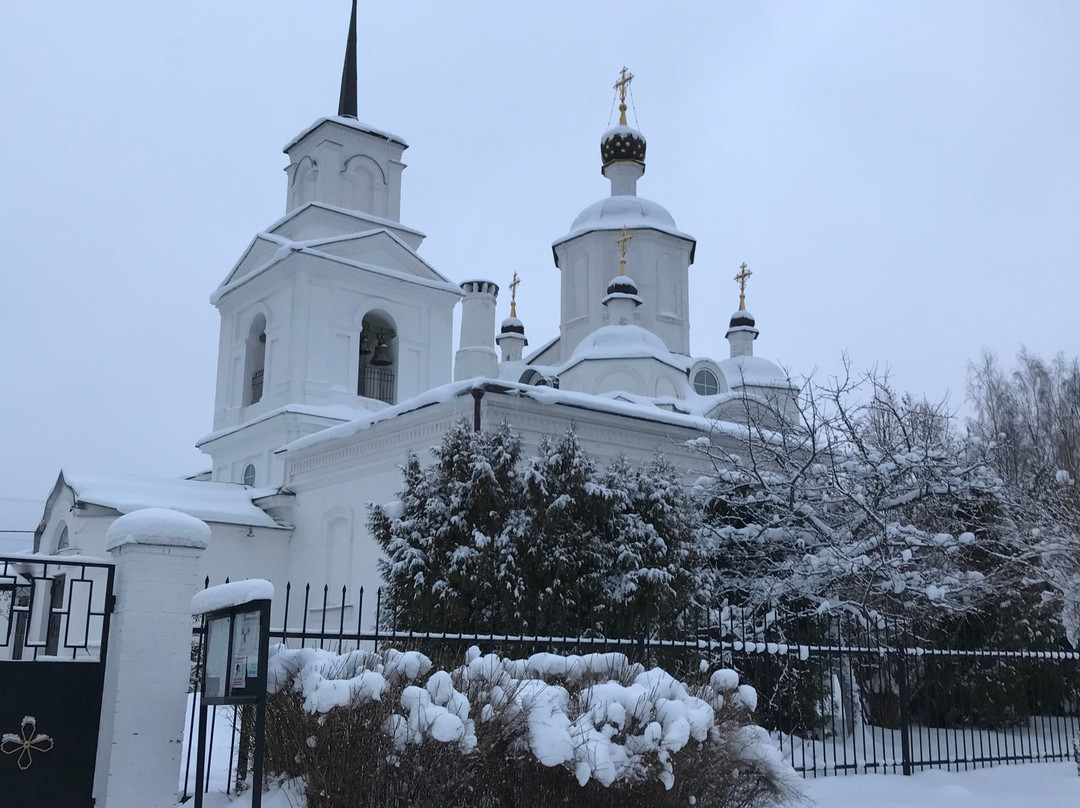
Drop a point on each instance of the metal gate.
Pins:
(54, 632)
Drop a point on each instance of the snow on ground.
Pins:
(1046, 785)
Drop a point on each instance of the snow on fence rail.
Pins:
(849, 698)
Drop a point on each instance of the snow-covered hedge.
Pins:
(385, 728)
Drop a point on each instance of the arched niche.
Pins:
(255, 360)
(377, 365)
(302, 178)
(363, 185)
(337, 531)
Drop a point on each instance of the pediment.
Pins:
(316, 220)
(259, 253)
(378, 249)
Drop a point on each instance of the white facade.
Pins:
(335, 362)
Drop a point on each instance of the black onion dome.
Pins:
(512, 325)
(741, 318)
(622, 284)
(622, 143)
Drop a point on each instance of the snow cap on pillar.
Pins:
(160, 526)
(742, 330)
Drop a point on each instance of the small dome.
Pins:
(617, 212)
(754, 371)
(741, 318)
(621, 342)
(512, 325)
(622, 143)
(622, 284)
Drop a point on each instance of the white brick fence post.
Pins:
(156, 553)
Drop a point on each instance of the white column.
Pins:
(476, 354)
(156, 553)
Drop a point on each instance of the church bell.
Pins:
(382, 357)
(365, 343)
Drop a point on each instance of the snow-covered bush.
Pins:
(381, 729)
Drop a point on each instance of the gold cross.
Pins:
(627, 237)
(625, 77)
(741, 278)
(513, 294)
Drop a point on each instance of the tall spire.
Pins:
(347, 101)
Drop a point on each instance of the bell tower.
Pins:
(331, 310)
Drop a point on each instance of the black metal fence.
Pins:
(839, 695)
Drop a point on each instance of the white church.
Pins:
(336, 360)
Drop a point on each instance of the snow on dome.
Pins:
(622, 342)
(622, 144)
(225, 596)
(622, 129)
(753, 370)
(512, 324)
(742, 317)
(159, 526)
(617, 212)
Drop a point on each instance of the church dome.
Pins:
(622, 342)
(753, 371)
(512, 325)
(617, 212)
(622, 143)
(622, 284)
(741, 318)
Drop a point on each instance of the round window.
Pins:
(705, 383)
(249, 474)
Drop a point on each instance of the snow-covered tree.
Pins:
(449, 558)
(868, 502)
(482, 540)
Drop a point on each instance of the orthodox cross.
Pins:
(627, 237)
(513, 294)
(625, 77)
(741, 279)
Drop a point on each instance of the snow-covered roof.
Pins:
(625, 342)
(617, 212)
(350, 123)
(227, 503)
(753, 370)
(335, 412)
(317, 247)
(612, 403)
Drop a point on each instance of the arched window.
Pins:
(249, 474)
(62, 543)
(705, 383)
(377, 369)
(255, 361)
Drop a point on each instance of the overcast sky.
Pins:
(903, 179)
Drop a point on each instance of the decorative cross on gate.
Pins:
(26, 743)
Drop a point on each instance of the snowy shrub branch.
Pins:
(549, 729)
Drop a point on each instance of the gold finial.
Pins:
(625, 77)
(627, 237)
(741, 279)
(513, 294)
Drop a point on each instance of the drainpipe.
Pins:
(477, 394)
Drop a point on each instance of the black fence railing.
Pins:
(256, 386)
(53, 609)
(839, 696)
(376, 382)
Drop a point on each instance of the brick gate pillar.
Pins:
(156, 553)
